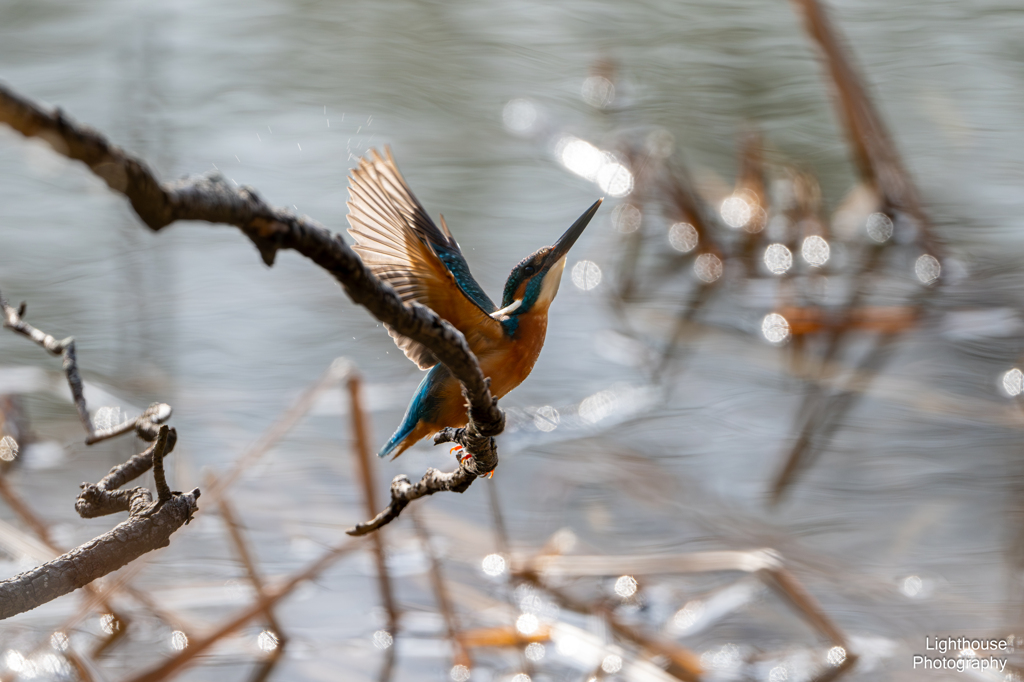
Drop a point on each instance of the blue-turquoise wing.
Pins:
(400, 244)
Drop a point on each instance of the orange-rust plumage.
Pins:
(399, 242)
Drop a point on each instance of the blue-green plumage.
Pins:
(425, 405)
(457, 265)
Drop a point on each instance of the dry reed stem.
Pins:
(874, 150)
(245, 555)
(502, 636)
(683, 664)
(461, 656)
(334, 374)
(765, 563)
(361, 453)
(688, 207)
(881, 168)
(272, 596)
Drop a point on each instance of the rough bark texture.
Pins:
(119, 546)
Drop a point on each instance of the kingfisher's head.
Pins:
(533, 282)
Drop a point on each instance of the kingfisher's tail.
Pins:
(390, 446)
(421, 413)
(408, 433)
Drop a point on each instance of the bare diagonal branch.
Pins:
(210, 198)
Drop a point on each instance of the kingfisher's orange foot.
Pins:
(462, 457)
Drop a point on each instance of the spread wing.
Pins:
(401, 245)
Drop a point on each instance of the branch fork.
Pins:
(150, 522)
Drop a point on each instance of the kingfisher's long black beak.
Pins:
(566, 241)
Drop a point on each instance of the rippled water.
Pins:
(906, 526)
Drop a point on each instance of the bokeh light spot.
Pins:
(587, 161)
(707, 267)
(911, 585)
(382, 639)
(546, 419)
(586, 275)
(736, 211)
(267, 641)
(778, 259)
(15, 661)
(59, 641)
(625, 586)
(1013, 382)
(687, 616)
(459, 673)
(108, 417)
(527, 624)
(927, 268)
(598, 91)
(519, 115)
(109, 624)
(580, 157)
(725, 658)
(879, 227)
(493, 565)
(8, 449)
(775, 328)
(611, 664)
(836, 656)
(683, 237)
(53, 664)
(179, 640)
(815, 251)
(535, 651)
(615, 179)
(596, 407)
(626, 218)
(660, 143)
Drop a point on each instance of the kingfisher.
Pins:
(401, 245)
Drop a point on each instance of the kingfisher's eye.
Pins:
(529, 269)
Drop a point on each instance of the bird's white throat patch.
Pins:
(551, 281)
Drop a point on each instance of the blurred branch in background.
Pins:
(903, 221)
(274, 636)
(210, 198)
(260, 607)
(361, 453)
(831, 278)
